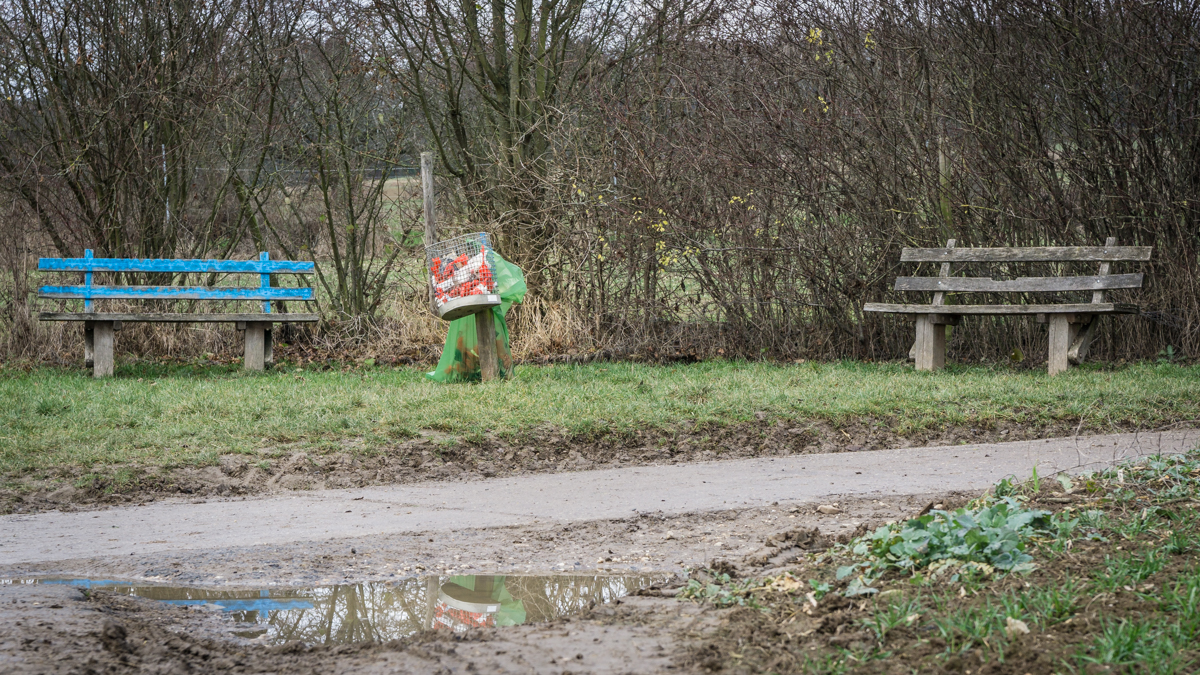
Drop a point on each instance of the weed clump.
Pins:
(984, 539)
(723, 591)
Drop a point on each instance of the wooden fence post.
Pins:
(429, 199)
(485, 344)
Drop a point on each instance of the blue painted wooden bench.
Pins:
(98, 327)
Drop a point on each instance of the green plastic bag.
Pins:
(511, 611)
(460, 360)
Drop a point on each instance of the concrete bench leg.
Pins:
(255, 345)
(1060, 343)
(268, 347)
(931, 344)
(102, 348)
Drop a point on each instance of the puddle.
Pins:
(382, 611)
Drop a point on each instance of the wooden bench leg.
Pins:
(922, 353)
(939, 345)
(931, 344)
(102, 349)
(1060, 343)
(89, 349)
(255, 347)
(1081, 339)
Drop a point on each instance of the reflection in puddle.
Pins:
(388, 610)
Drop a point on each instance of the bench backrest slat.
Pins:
(1029, 254)
(176, 266)
(1021, 285)
(264, 267)
(176, 293)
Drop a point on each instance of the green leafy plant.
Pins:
(1168, 355)
(860, 585)
(723, 591)
(1005, 488)
(984, 539)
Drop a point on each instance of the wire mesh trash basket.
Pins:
(462, 275)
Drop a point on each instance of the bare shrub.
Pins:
(751, 182)
(683, 180)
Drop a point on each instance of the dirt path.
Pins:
(648, 518)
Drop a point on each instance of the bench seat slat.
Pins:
(1028, 254)
(176, 292)
(178, 318)
(1079, 308)
(177, 266)
(1021, 285)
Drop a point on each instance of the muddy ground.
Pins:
(435, 456)
(60, 630)
(57, 629)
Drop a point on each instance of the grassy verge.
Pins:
(1093, 575)
(189, 415)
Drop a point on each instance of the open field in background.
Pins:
(181, 415)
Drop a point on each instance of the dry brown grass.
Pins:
(540, 328)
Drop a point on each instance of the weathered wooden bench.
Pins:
(1072, 325)
(98, 327)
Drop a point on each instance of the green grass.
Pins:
(180, 414)
(1132, 605)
